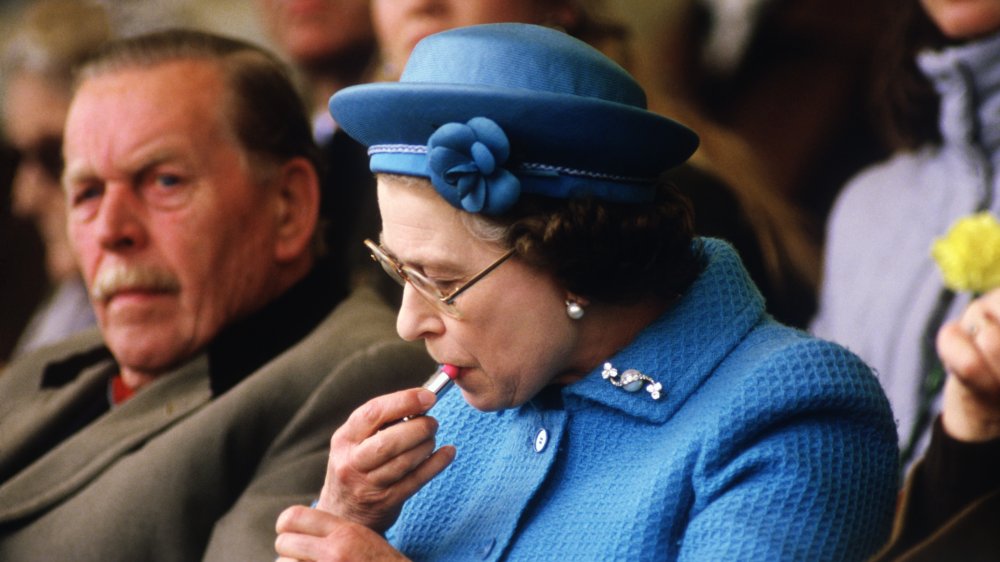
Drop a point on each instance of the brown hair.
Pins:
(616, 253)
(906, 103)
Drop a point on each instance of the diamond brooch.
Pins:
(632, 380)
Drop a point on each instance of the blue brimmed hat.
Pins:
(490, 111)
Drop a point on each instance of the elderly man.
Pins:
(227, 351)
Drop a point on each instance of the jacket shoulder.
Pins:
(783, 372)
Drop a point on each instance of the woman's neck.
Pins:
(607, 329)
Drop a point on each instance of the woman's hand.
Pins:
(376, 464)
(311, 534)
(970, 350)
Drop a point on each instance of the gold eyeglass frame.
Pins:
(403, 274)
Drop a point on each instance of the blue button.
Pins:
(541, 440)
(487, 548)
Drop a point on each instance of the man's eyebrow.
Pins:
(145, 160)
(77, 172)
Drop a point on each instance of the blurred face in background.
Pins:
(314, 31)
(400, 24)
(964, 19)
(34, 114)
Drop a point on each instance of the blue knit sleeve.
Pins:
(802, 464)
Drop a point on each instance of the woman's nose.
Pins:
(417, 318)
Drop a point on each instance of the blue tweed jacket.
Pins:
(767, 444)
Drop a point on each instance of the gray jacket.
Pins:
(173, 474)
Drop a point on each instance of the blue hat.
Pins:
(490, 111)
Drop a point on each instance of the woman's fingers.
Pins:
(377, 462)
(377, 507)
(984, 331)
(969, 349)
(414, 479)
(310, 534)
(305, 520)
(958, 351)
(385, 471)
(298, 528)
(392, 442)
(384, 411)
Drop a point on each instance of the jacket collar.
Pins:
(683, 347)
(967, 78)
(83, 456)
(247, 345)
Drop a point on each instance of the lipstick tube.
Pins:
(439, 383)
(441, 380)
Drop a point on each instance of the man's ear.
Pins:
(297, 208)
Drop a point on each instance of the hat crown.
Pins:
(521, 57)
(489, 112)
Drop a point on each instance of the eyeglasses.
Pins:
(46, 153)
(430, 290)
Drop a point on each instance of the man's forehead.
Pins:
(123, 118)
(184, 92)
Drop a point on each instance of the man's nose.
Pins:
(119, 220)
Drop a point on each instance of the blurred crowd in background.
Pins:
(780, 92)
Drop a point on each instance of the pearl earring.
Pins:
(574, 310)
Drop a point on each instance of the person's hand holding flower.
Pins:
(969, 347)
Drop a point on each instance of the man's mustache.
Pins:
(119, 278)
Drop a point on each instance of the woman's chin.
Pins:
(483, 402)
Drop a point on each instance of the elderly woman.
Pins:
(623, 393)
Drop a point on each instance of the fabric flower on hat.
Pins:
(466, 166)
(969, 254)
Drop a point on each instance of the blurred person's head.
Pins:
(54, 36)
(400, 24)
(906, 101)
(331, 41)
(192, 191)
(965, 19)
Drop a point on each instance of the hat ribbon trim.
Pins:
(527, 168)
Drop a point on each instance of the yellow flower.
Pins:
(969, 254)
